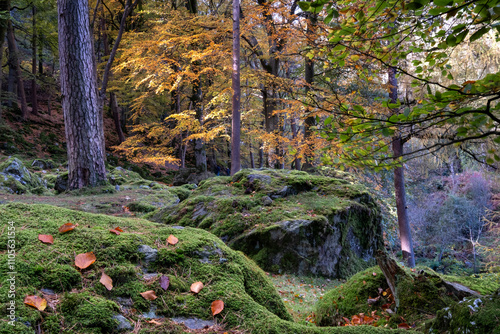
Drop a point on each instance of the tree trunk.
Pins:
(399, 183)
(17, 70)
(252, 159)
(236, 120)
(392, 272)
(310, 121)
(4, 7)
(115, 110)
(34, 101)
(82, 117)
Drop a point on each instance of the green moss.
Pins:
(85, 312)
(472, 315)
(350, 298)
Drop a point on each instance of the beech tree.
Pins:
(82, 115)
(236, 120)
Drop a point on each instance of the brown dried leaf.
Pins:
(46, 238)
(118, 229)
(149, 295)
(106, 281)
(404, 326)
(115, 231)
(37, 302)
(172, 240)
(196, 287)
(84, 260)
(66, 228)
(217, 306)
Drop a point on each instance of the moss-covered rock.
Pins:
(470, 315)
(16, 178)
(287, 220)
(80, 304)
(422, 294)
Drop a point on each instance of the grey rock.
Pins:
(178, 227)
(266, 201)
(61, 184)
(190, 176)
(199, 211)
(13, 170)
(194, 323)
(124, 302)
(42, 164)
(286, 191)
(150, 254)
(123, 323)
(48, 291)
(265, 179)
(152, 313)
(117, 187)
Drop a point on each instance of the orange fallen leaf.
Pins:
(115, 231)
(84, 260)
(196, 287)
(118, 229)
(172, 240)
(217, 306)
(46, 238)
(356, 320)
(37, 302)
(149, 295)
(66, 228)
(154, 322)
(106, 281)
(404, 326)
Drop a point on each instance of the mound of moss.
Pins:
(286, 220)
(135, 259)
(422, 295)
(470, 315)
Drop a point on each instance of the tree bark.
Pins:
(34, 100)
(11, 41)
(310, 121)
(115, 110)
(4, 7)
(236, 119)
(82, 115)
(399, 183)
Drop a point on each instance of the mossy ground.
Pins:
(83, 305)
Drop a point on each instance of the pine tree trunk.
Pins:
(236, 119)
(399, 184)
(82, 117)
(34, 100)
(17, 70)
(115, 110)
(4, 7)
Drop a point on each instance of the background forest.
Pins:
(403, 95)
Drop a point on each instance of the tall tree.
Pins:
(4, 13)
(82, 116)
(14, 63)
(399, 182)
(236, 122)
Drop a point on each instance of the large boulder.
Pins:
(16, 178)
(78, 302)
(287, 221)
(190, 176)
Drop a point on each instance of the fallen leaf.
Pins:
(356, 320)
(164, 282)
(372, 301)
(106, 281)
(84, 260)
(66, 228)
(404, 326)
(118, 229)
(172, 240)
(149, 295)
(115, 231)
(196, 287)
(37, 302)
(154, 322)
(217, 306)
(46, 238)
